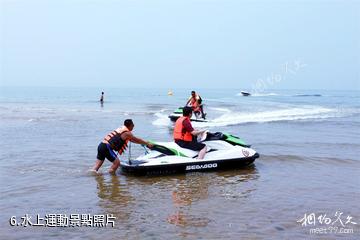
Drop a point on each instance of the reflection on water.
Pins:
(114, 196)
(194, 187)
(188, 190)
(196, 197)
(237, 184)
(184, 202)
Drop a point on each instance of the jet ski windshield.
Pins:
(214, 136)
(233, 140)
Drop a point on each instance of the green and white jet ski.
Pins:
(223, 151)
(196, 117)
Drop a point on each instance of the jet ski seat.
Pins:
(171, 148)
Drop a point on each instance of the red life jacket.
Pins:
(115, 141)
(179, 131)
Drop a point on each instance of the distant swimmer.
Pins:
(102, 98)
(117, 140)
(195, 101)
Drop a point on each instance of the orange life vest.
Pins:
(195, 104)
(115, 141)
(179, 131)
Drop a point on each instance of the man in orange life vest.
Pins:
(117, 140)
(184, 134)
(195, 102)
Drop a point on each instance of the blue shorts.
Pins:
(105, 151)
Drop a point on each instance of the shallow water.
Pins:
(309, 163)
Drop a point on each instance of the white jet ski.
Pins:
(224, 151)
(196, 117)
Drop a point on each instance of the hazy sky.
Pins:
(181, 43)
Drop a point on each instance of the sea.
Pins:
(305, 185)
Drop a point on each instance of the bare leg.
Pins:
(114, 166)
(202, 153)
(202, 111)
(97, 165)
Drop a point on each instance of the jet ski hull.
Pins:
(224, 151)
(174, 117)
(192, 166)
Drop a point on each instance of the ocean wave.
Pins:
(260, 94)
(162, 120)
(307, 95)
(290, 114)
(277, 94)
(220, 109)
(327, 160)
(229, 117)
(264, 94)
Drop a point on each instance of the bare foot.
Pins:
(93, 171)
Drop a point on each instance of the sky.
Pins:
(181, 43)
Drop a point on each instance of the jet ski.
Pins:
(245, 93)
(224, 151)
(196, 117)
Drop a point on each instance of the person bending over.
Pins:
(117, 140)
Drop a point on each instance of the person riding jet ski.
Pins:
(184, 134)
(195, 101)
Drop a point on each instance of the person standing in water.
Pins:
(195, 101)
(102, 98)
(117, 140)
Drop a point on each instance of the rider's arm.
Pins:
(197, 132)
(188, 101)
(188, 127)
(137, 140)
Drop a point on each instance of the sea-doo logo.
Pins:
(204, 166)
(245, 153)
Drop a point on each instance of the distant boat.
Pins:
(245, 93)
